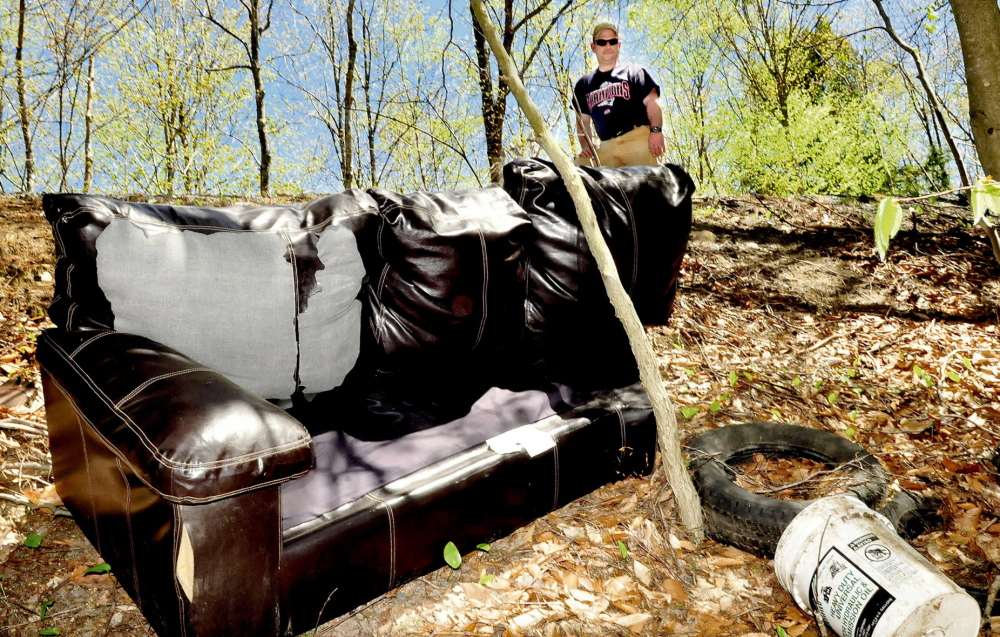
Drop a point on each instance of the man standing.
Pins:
(620, 100)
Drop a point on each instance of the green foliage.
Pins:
(43, 610)
(451, 555)
(173, 130)
(888, 221)
(919, 372)
(623, 550)
(486, 579)
(829, 144)
(49, 632)
(985, 198)
(484, 547)
(103, 567)
(33, 541)
(689, 412)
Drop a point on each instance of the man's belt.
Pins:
(620, 133)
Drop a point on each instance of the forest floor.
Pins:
(785, 313)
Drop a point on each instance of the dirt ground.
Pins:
(785, 313)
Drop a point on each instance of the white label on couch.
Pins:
(528, 437)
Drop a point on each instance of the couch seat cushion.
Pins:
(267, 296)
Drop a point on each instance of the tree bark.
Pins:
(688, 505)
(978, 23)
(494, 107)
(347, 152)
(256, 30)
(22, 102)
(88, 134)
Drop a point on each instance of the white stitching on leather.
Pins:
(128, 523)
(635, 236)
(392, 537)
(69, 280)
(527, 295)
(555, 489)
(89, 341)
(138, 474)
(486, 281)
(380, 319)
(132, 394)
(90, 479)
(69, 316)
(152, 448)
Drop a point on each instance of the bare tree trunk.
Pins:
(932, 97)
(978, 23)
(494, 107)
(22, 102)
(347, 152)
(88, 137)
(256, 30)
(688, 505)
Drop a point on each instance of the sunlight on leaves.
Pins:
(451, 555)
(985, 197)
(888, 221)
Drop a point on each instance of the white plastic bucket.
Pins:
(845, 563)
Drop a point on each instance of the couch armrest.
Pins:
(187, 432)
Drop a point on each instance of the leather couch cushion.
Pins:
(265, 295)
(645, 216)
(449, 287)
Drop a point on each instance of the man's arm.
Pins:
(655, 115)
(584, 133)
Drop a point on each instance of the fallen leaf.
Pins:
(642, 573)
(676, 590)
(635, 622)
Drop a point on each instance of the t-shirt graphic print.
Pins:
(614, 98)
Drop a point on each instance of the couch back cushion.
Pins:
(267, 295)
(449, 285)
(644, 213)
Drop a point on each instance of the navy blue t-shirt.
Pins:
(614, 98)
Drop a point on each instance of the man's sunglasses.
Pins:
(612, 42)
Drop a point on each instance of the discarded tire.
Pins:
(752, 522)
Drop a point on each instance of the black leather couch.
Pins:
(260, 412)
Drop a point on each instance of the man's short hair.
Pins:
(604, 25)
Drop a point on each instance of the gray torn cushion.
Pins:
(231, 299)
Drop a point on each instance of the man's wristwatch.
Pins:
(655, 129)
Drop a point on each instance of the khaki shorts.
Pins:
(630, 149)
